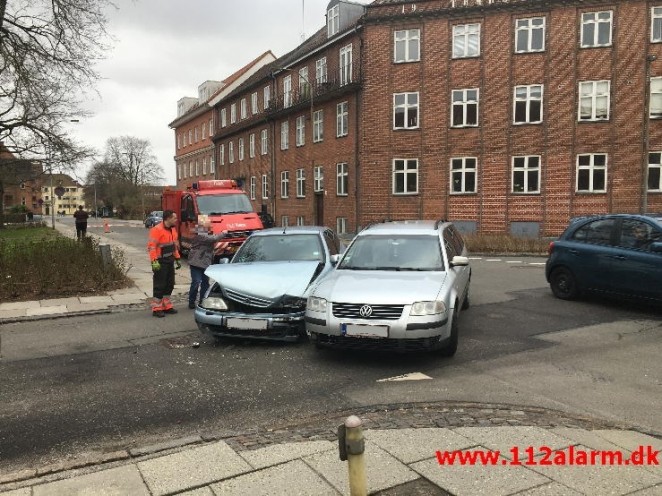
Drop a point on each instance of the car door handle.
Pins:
(617, 257)
(573, 252)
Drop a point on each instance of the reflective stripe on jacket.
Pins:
(162, 243)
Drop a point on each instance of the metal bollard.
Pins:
(106, 255)
(351, 446)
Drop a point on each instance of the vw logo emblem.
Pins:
(366, 311)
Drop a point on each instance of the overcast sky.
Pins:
(163, 49)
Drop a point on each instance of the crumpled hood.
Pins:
(380, 287)
(269, 280)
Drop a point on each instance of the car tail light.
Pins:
(550, 248)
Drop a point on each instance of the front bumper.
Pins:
(274, 327)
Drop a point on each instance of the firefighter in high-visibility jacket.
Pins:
(163, 248)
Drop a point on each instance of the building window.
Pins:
(251, 145)
(203, 134)
(179, 141)
(212, 166)
(318, 179)
(179, 171)
(530, 35)
(190, 136)
(204, 166)
(285, 184)
(224, 121)
(465, 108)
(252, 187)
(592, 173)
(318, 126)
(265, 142)
(301, 131)
(527, 104)
(284, 135)
(254, 108)
(656, 98)
(304, 83)
(284, 221)
(243, 108)
(342, 119)
(241, 148)
(656, 24)
(405, 110)
(265, 187)
(594, 101)
(266, 97)
(301, 221)
(320, 70)
(463, 175)
(231, 152)
(190, 168)
(407, 45)
(405, 176)
(197, 136)
(341, 225)
(287, 91)
(526, 174)
(233, 113)
(342, 179)
(596, 29)
(221, 154)
(301, 183)
(332, 20)
(211, 127)
(345, 65)
(654, 171)
(466, 41)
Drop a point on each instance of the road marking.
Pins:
(537, 263)
(514, 261)
(414, 376)
(493, 260)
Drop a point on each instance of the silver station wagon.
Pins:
(399, 285)
(262, 292)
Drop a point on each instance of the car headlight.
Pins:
(316, 304)
(214, 303)
(294, 302)
(428, 308)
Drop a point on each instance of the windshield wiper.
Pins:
(229, 213)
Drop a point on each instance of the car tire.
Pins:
(466, 303)
(563, 284)
(449, 348)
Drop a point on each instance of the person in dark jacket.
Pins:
(81, 222)
(200, 257)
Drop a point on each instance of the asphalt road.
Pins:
(74, 385)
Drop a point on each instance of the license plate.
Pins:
(252, 324)
(364, 331)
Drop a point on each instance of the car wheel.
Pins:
(563, 284)
(449, 348)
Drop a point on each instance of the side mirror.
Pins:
(334, 259)
(656, 247)
(459, 261)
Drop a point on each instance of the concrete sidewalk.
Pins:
(139, 271)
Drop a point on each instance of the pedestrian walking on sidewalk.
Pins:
(81, 222)
(163, 249)
(200, 257)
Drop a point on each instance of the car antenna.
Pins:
(284, 229)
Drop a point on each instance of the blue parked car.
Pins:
(154, 218)
(618, 254)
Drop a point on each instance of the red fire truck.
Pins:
(223, 202)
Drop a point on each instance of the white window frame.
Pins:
(300, 130)
(526, 100)
(224, 118)
(318, 126)
(318, 179)
(655, 164)
(301, 183)
(204, 166)
(266, 97)
(265, 187)
(233, 113)
(345, 65)
(342, 179)
(284, 135)
(221, 153)
(342, 119)
(341, 225)
(591, 168)
(190, 168)
(287, 91)
(179, 141)
(332, 21)
(284, 221)
(196, 134)
(405, 104)
(524, 166)
(410, 41)
(301, 220)
(211, 127)
(588, 92)
(405, 172)
(179, 171)
(656, 24)
(264, 142)
(243, 109)
(465, 103)
(231, 152)
(241, 149)
(251, 145)
(655, 104)
(320, 70)
(254, 108)
(465, 170)
(465, 35)
(285, 184)
(593, 18)
(526, 27)
(252, 187)
(203, 131)
(190, 136)
(304, 83)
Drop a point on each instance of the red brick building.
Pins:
(20, 182)
(503, 116)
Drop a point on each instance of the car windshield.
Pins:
(281, 248)
(157, 213)
(410, 252)
(224, 204)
